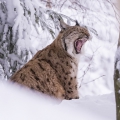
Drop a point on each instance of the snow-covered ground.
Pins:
(17, 103)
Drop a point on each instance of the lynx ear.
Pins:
(63, 25)
(77, 24)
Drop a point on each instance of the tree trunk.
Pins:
(117, 81)
(117, 74)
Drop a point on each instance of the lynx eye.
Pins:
(86, 36)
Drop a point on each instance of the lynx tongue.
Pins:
(78, 44)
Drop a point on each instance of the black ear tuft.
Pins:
(77, 24)
(59, 18)
(63, 25)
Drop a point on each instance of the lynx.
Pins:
(53, 70)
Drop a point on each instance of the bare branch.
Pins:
(93, 80)
(63, 4)
(89, 65)
(115, 10)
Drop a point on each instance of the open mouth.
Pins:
(78, 44)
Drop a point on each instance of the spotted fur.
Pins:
(53, 70)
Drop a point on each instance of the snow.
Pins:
(117, 54)
(17, 103)
(11, 13)
(117, 57)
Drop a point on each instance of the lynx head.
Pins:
(73, 38)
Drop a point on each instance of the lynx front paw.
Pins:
(70, 98)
